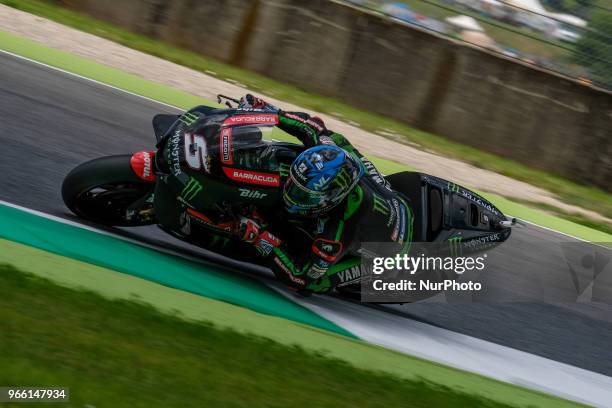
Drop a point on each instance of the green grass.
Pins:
(573, 193)
(573, 217)
(118, 286)
(125, 354)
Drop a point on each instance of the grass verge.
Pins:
(112, 285)
(124, 354)
(573, 193)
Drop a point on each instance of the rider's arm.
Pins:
(312, 132)
(297, 272)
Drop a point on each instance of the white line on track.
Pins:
(180, 109)
(464, 352)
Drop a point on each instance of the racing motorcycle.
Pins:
(132, 190)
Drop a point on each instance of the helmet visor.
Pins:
(299, 199)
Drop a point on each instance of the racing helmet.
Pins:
(319, 179)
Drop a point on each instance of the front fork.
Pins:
(143, 165)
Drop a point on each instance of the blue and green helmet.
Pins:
(319, 179)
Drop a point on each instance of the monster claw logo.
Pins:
(455, 245)
(380, 205)
(188, 118)
(191, 189)
(452, 187)
(343, 179)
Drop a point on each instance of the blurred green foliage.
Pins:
(597, 43)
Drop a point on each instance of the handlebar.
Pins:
(228, 99)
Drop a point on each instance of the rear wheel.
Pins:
(107, 191)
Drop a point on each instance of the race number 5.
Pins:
(195, 151)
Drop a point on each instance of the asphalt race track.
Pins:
(50, 122)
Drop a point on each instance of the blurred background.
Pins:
(572, 37)
(524, 80)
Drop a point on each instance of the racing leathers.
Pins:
(327, 253)
(372, 212)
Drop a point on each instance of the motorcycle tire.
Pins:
(103, 190)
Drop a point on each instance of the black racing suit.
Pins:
(372, 212)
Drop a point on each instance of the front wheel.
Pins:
(107, 191)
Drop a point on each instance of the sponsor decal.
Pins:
(380, 205)
(402, 223)
(375, 174)
(452, 187)
(316, 271)
(245, 109)
(191, 189)
(284, 268)
(321, 183)
(394, 212)
(482, 240)
(454, 245)
(315, 124)
(196, 152)
(175, 160)
(248, 193)
(252, 119)
(295, 117)
(343, 178)
(327, 249)
(266, 243)
(283, 169)
(479, 201)
(326, 140)
(349, 275)
(226, 146)
(142, 164)
(300, 170)
(188, 118)
(252, 177)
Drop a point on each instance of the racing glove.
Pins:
(251, 102)
(250, 231)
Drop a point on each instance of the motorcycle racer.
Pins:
(342, 197)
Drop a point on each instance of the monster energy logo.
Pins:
(455, 245)
(343, 179)
(453, 187)
(283, 169)
(380, 206)
(188, 118)
(192, 189)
